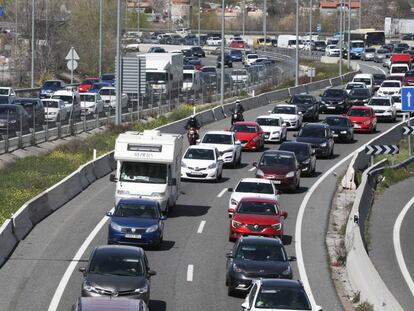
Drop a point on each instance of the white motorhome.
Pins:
(191, 80)
(148, 166)
(164, 71)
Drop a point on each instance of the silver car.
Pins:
(368, 54)
(380, 55)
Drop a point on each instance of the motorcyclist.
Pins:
(192, 123)
(239, 107)
(237, 113)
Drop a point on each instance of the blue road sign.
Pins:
(407, 98)
(318, 28)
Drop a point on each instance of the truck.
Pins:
(192, 80)
(164, 72)
(400, 64)
(148, 166)
(356, 48)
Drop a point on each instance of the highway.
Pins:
(31, 276)
(385, 211)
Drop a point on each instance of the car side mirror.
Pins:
(269, 111)
(109, 214)
(284, 215)
(163, 217)
(151, 272)
(198, 141)
(300, 113)
(245, 305)
(230, 190)
(313, 152)
(254, 164)
(82, 269)
(112, 178)
(229, 255)
(238, 142)
(292, 258)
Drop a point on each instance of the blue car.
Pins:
(51, 86)
(97, 86)
(236, 55)
(108, 78)
(136, 222)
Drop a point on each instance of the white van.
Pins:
(71, 99)
(191, 80)
(289, 41)
(148, 166)
(366, 78)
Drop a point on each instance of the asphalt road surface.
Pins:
(31, 276)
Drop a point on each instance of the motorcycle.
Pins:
(236, 116)
(192, 135)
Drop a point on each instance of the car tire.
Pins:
(231, 292)
(239, 161)
(219, 177)
(332, 152)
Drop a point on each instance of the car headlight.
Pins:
(307, 161)
(141, 290)
(310, 108)
(237, 269)
(153, 228)
(88, 287)
(256, 139)
(115, 226)
(344, 132)
(121, 192)
(276, 133)
(183, 164)
(158, 194)
(323, 102)
(233, 202)
(211, 166)
(277, 226)
(290, 174)
(365, 100)
(259, 173)
(53, 113)
(341, 102)
(227, 150)
(367, 122)
(236, 224)
(323, 144)
(287, 272)
(12, 121)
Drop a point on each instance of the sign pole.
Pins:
(409, 136)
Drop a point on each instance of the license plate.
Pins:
(266, 136)
(330, 107)
(335, 135)
(356, 126)
(196, 173)
(277, 182)
(2, 124)
(133, 236)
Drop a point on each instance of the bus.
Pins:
(371, 37)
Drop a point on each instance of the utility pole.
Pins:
(349, 34)
(297, 45)
(340, 37)
(264, 23)
(33, 44)
(169, 15)
(118, 117)
(244, 19)
(310, 29)
(222, 54)
(360, 15)
(100, 35)
(199, 22)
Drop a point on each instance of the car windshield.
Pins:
(369, 50)
(260, 252)
(137, 210)
(367, 81)
(284, 110)
(239, 73)
(380, 102)
(10, 110)
(332, 121)
(222, 139)
(333, 93)
(236, 52)
(359, 92)
(310, 131)
(357, 44)
(277, 160)
(116, 264)
(254, 187)
(4, 92)
(282, 298)
(188, 77)
(65, 98)
(358, 113)
(244, 128)
(301, 150)
(208, 69)
(156, 76)
(352, 86)
(51, 104)
(399, 69)
(107, 92)
(390, 84)
(140, 172)
(382, 51)
(252, 56)
(258, 208)
(301, 99)
(51, 84)
(268, 121)
(4, 99)
(87, 98)
(199, 154)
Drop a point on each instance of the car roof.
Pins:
(109, 304)
(336, 117)
(382, 97)
(245, 123)
(267, 116)
(88, 93)
(201, 147)
(117, 249)
(281, 282)
(315, 125)
(361, 108)
(290, 143)
(290, 153)
(286, 105)
(137, 201)
(256, 180)
(261, 200)
(219, 132)
(260, 240)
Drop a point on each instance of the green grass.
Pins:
(365, 306)
(397, 158)
(27, 177)
(324, 71)
(393, 176)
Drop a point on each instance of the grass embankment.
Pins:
(397, 158)
(27, 177)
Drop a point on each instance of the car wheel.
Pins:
(332, 152)
(167, 208)
(240, 160)
(230, 291)
(218, 178)
(234, 164)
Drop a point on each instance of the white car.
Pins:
(384, 107)
(291, 116)
(7, 95)
(55, 110)
(250, 59)
(71, 99)
(389, 88)
(397, 102)
(354, 85)
(240, 76)
(91, 103)
(277, 295)
(108, 96)
(201, 162)
(332, 50)
(273, 127)
(132, 47)
(227, 144)
(252, 187)
(213, 41)
(398, 70)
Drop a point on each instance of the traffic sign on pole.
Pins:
(72, 54)
(408, 130)
(72, 57)
(318, 27)
(407, 98)
(381, 149)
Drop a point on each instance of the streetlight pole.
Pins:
(100, 35)
(297, 45)
(349, 34)
(138, 15)
(244, 19)
(360, 15)
(340, 37)
(118, 65)
(310, 29)
(222, 55)
(33, 44)
(264, 23)
(199, 22)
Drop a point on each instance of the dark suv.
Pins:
(198, 51)
(34, 108)
(307, 104)
(227, 61)
(13, 118)
(319, 136)
(334, 101)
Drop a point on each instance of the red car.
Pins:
(281, 167)
(238, 44)
(250, 134)
(257, 216)
(362, 118)
(86, 84)
(408, 78)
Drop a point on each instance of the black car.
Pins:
(34, 108)
(255, 257)
(307, 104)
(156, 49)
(378, 79)
(304, 154)
(227, 61)
(334, 101)
(341, 127)
(115, 270)
(319, 136)
(198, 51)
(359, 97)
(13, 118)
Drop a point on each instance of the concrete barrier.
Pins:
(277, 95)
(8, 240)
(39, 208)
(22, 224)
(336, 81)
(297, 90)
(102, 166)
